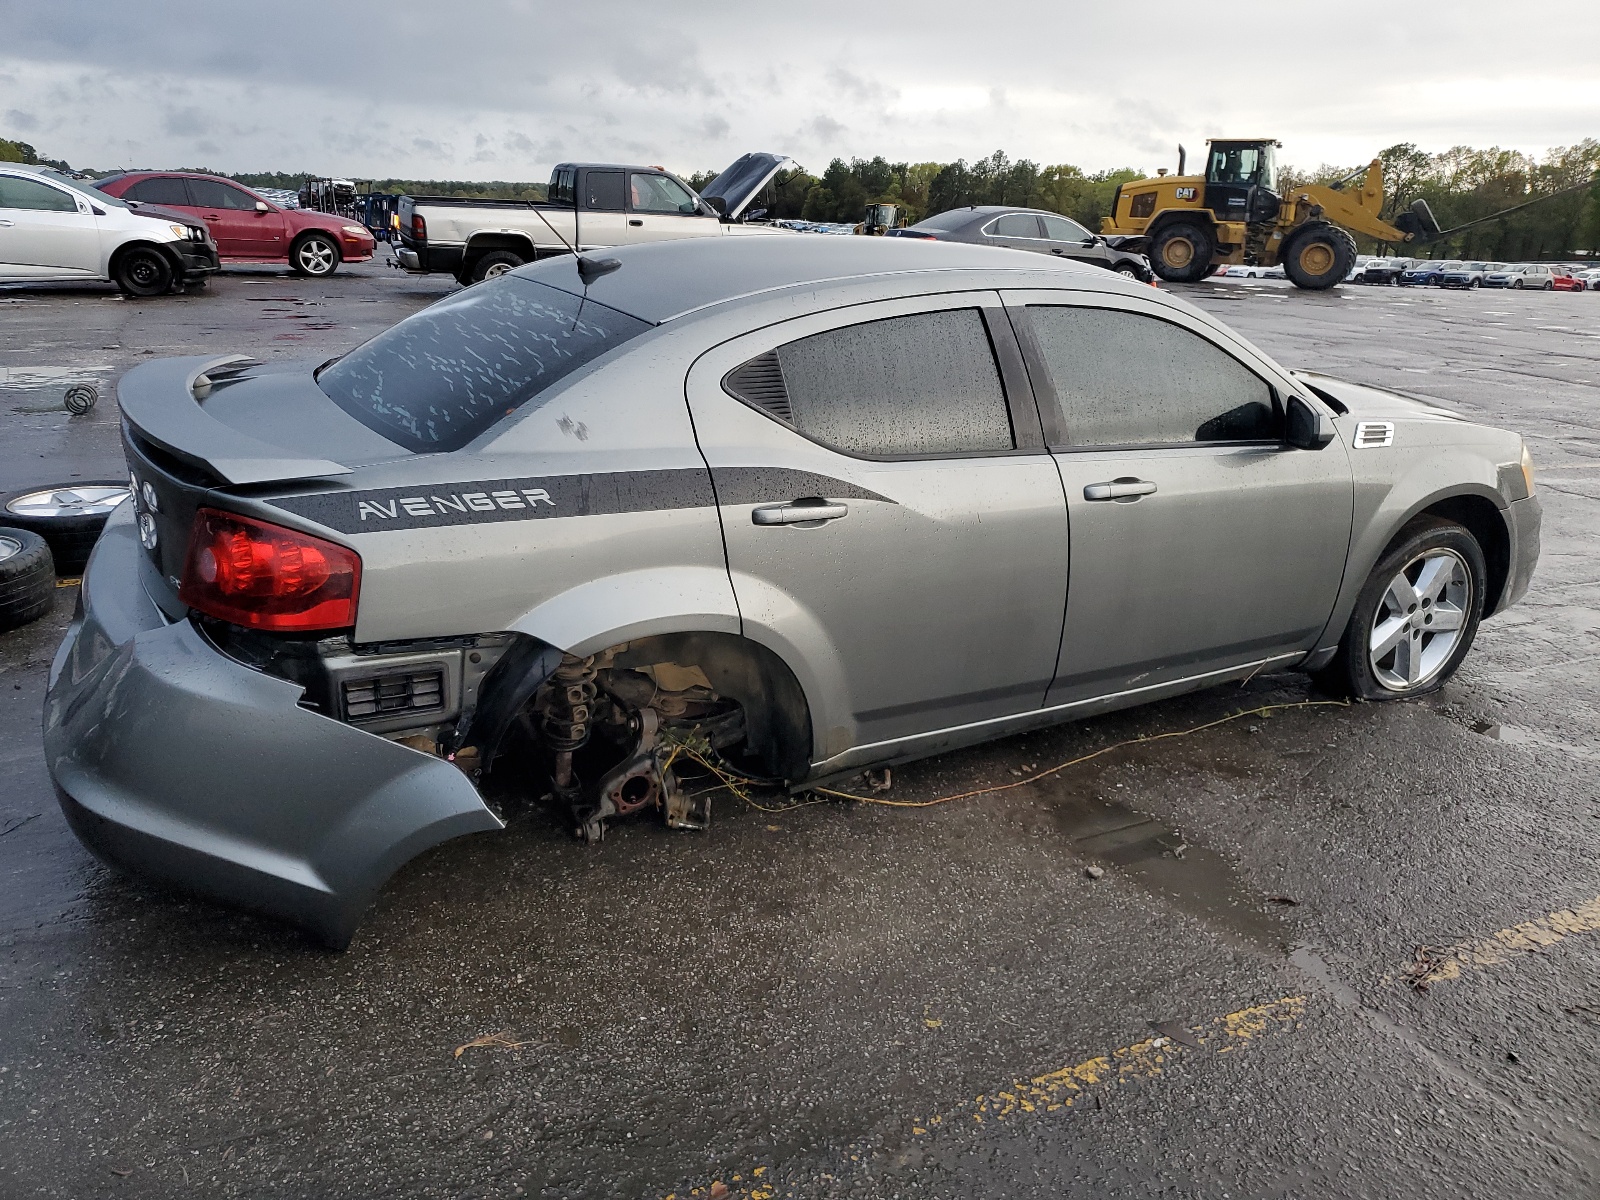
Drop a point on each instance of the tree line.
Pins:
(1462, 185)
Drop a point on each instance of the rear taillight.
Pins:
(419, 227)
(262, 576)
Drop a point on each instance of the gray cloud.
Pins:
(693, 84)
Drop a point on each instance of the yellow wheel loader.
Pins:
(879, 219)
(1187, 225)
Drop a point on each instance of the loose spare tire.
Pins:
(69, 517)
(27, 580)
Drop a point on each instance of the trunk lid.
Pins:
(195, 428)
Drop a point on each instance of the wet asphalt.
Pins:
(1334, 951)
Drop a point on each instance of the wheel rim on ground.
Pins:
(9, 547)
(316, 256)
(67, 502)
(1178, 253)
(1420, 620)
(1316, 258)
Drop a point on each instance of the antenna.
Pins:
(589, 269)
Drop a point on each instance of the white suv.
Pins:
(53, 227)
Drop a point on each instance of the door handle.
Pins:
(797, 514)
(635, 221)
(3, 221)
(211, 218)
(1057, 250)
(1119, 489)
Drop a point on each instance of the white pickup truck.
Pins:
(590, 206)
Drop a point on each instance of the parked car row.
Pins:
(1459, 273)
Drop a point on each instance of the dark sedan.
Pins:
(1426, 274)
(1029, 229)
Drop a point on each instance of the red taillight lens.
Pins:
(419, 227)
(263, 576)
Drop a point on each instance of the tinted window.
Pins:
(1062, 230)
(657, 193)
(921, 384)
(208, 193)
(441, 377)
(31, 194)
(1017, 225)
(164, 189)
(561, 186)
(1124, 379)
(603, 190)
(946, 221)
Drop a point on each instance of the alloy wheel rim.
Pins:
(9, 547)
(316, 256)
(1420, 620)
(495, 269)
(67, 502)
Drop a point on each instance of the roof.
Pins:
(662, 280)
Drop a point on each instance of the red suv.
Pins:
(246, 227)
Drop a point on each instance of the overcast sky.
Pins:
(502, 89)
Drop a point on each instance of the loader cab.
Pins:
(1242, 180)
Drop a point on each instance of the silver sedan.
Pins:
(779, 509)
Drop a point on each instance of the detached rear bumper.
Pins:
(174, 761)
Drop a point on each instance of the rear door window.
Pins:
(444, 375)
(919, 385)
(163, 189)
(602, 191)
(1125, 379)
(1015, 225)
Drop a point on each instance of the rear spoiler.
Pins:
(164, 401)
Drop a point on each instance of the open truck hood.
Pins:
(245, 422)
(742, 182)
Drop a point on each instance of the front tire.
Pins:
(144, 272)
(314, 255)
(1416, 616)
(1316, 257)
(496, 263)
(1182, 252)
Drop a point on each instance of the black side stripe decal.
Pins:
(427, 506)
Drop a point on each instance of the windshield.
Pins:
(736, 185)
(444, 375)
(1243, 164)
(88, 189)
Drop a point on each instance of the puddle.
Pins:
(1162, 861)
(1502, 733)
(32, 379)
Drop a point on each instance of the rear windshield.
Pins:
(946, 221)
(441, 377)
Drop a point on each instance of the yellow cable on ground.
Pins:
(1072, 762)
(733, 783)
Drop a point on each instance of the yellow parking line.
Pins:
(1145, 1059)
(1451, 962)
(1059, 1089)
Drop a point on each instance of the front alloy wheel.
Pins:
(314, 255)
(1419, 621)
(1416, 616)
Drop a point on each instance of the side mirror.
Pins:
(263, 207)
(1306, 428)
